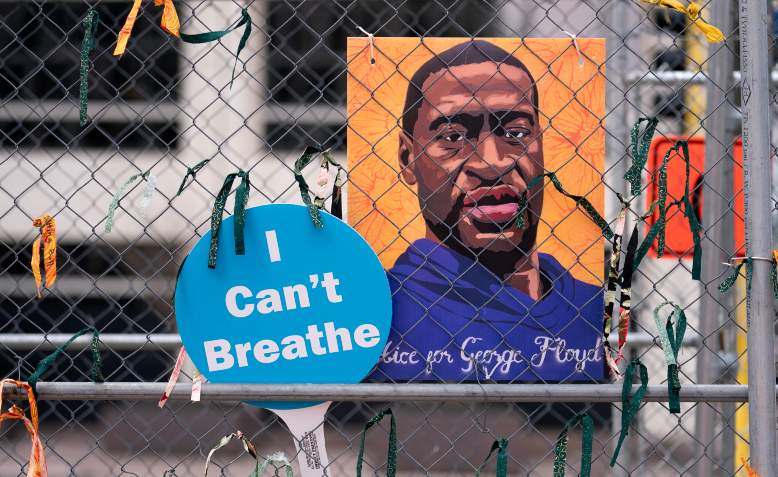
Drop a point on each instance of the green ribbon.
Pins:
(581, 201)
(95, 374)
(305, 191)
(391, 459)
(732, 278)
(501, 446)
(560, 448)
(671, 343)
(191, 172)
(521, 221)
(90, 23)
(658, 229)
(210, 36)
(640, 145)
(241, 198)
(629, 407)
(118, 196)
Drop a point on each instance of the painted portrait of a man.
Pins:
(474, 297)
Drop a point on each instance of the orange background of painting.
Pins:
(385, 210)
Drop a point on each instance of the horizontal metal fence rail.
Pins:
(487, 393)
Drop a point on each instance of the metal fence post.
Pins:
(756, 102)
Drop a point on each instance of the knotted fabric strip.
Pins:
(121, 192)
(247, 446)
(48, 233)
(241, 199)
(581, 201)
(587, 437)
(243, 21)
(639, 145)
(37, 464)
(169, 23)
(90, 23)
(671, 343)
(95, 374)
(191, 172)
(501, 446)
(625, 298)
(391, 458)
(629, 407)
(692, 12)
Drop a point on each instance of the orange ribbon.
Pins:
(169, 23)
(751, 472)
(48, 232)
(37, 465)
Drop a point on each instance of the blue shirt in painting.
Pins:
(454, 320)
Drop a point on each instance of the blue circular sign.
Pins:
(303, 305)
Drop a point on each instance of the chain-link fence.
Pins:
(166, 105)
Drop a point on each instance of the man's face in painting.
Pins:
(476, 144)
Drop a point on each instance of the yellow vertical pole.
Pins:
(741, 415)
(694, 97)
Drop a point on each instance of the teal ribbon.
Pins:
(640, 145)
(521, 221)
(581, 201)
(96, 372)
(560, 448)
(191, 172)
(501, 446)
(207, 37)
(241, 198)
(391, 458)
(90, 23)
(671, 343)
(630, 407)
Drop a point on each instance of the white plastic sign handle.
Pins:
(307, 428)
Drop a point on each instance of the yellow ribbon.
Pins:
(48, 232)
(169, 23)
(37, 465)
(692, 12)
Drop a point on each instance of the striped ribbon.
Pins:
(48, 234)
(241, 199)
(247, 446)
(501, 446)
(671, 343)
(630, 407)
(197, 380)
(207, 37)
(692, 12)
(610, 292)
(91, 20)
(95, 373)
(625, 298)
(169, 23)
(587, 438)
(391, 458)
(37, 464)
